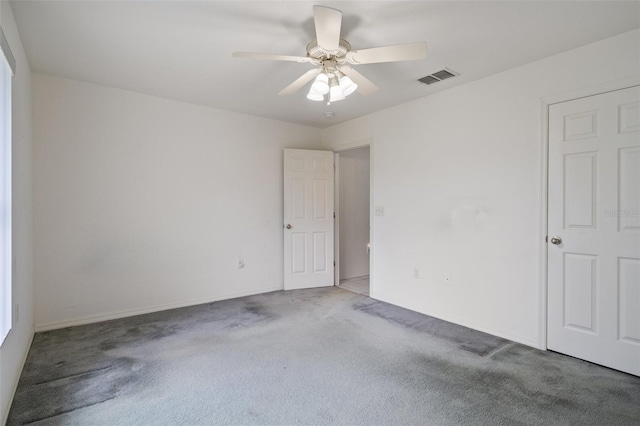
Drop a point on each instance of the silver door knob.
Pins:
(556, 240)
(288, 226)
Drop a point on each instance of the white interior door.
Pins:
(594, 229)
(308, 218)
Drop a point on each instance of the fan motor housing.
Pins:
(317, 52)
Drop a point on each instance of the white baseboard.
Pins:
(464, 323)
(146, 310)
(17, 380)
(374, 295)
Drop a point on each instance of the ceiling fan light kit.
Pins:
(336, 84)
(348, 86)
(321, 85)
(335, 94)
(330, 54)
(313, 96)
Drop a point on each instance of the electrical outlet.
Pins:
(446, 278)
(416, 273)
(379, 210)
(240, 264)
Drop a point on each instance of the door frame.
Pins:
(545, 103)
(336, 205)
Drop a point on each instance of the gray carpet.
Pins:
(321, 356)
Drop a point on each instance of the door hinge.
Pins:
(334, 215)
(546, 239)
(334, 263)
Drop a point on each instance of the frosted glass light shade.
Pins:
(347, 85)
(321, 84)
(336, 94)
(314, 96)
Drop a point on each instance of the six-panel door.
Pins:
(308, 218)
(594, 229)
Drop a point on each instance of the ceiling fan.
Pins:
(332, 55)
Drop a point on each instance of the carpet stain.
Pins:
(71, 377)
(70, 390)
(491, 387)
(319, 356)
(553, 368)
(465, 338)
(251, 314)
(498, 387)
(76, 367)
(138, 335)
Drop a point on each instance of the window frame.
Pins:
(7, 70)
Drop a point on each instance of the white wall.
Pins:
(15, 347)
(460, 176)
(145, 203)
(354, 212)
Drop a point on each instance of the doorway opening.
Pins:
(352, 225)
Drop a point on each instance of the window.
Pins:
(6, 66)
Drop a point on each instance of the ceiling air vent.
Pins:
(437, 76)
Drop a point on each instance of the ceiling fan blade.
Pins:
(365, 86)
(328, 24)
(301, 81)
(399, 52)
(268, 56)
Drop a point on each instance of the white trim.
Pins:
(372, 221)
(545, 103)
(6, 51)
(336, 218)
(14, 388)
(542, 293)
(458, 321)
(54, 325)
(596, 89)
(350, 146)
(6, 199)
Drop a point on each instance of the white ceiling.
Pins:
(182, 49)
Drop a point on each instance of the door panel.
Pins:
(308, 218)
(580, 198)
(594, 211)
(629, 287)
(298, 252)
(629, 178)
(319, 252)
(580, 285)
